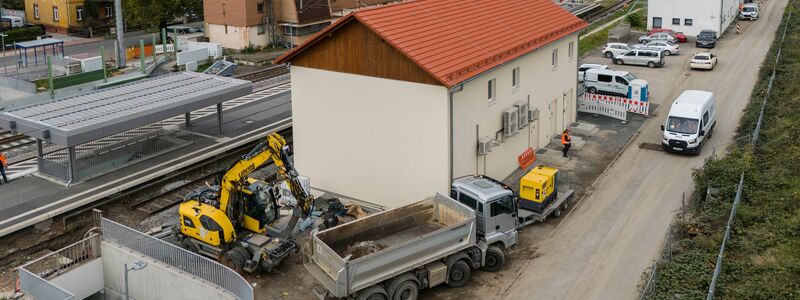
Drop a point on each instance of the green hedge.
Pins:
(22, 34)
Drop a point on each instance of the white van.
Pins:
(12, 22)
(613, 82)
(691, 121)
(749, 12)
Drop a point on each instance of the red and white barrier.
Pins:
(630, 105)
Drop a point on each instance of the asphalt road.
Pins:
(605, 243)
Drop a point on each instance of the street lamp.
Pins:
(136, 267)
(3, 42)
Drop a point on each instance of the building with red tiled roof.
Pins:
(391, 103)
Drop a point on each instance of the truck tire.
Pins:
(406, 290)
(592, 90)
(494, 259)
(557, 212)
(397, 288)
(234, 260)
(372, 293)
(459, 274)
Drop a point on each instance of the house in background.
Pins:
(391, 103)
(340, 8)
(237, 23)
(68, 16)
(692, 16)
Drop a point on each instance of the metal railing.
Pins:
(65, 259)
(39, 288)
(177, 257)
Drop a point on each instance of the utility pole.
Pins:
(120, 34)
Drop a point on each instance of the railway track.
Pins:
(264, 74)
(600, 14)
(9, 140)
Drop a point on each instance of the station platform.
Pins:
(33, 199)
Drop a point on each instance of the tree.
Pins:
(13, 4)
(158, 13)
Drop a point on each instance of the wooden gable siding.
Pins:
(356, 49)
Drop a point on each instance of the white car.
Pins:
(614, 49)
(666, 47)
(582, 69)
(703, 60)
(658, 36)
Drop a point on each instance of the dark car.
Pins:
(706, 39)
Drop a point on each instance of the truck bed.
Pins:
(354, 255)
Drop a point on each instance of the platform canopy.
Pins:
(79, 119)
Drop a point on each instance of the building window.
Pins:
(676, 21)
(304, 30)
(491, 90)
(109, 11)
(260, 7)
(687, 22)
(55, 13)
(515, 78)
(36, 11)
(555, 58)
(79, 12)
(656, 22)
(571, 50)
(260, 29)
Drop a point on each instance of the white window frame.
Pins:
(554, 58)
(36, 11)
(109, 11)
(55, 14)
(79, 12)
(571, 51)
(491, 87)
(515, 79)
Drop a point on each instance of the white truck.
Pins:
(393, 254)
(690, 122)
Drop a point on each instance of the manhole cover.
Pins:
(650, 146)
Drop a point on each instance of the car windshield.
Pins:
(701, 57)
(682, 125)
(629, 77)
(705, 34)
(749, 9)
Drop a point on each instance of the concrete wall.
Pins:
(237, 37)
(551, 90)
(716, 15)
(155, 281)
(379, 140)
(83, 281)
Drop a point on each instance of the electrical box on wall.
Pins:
(510, 121)
(484, 146)
(522, 108)
(533, 115)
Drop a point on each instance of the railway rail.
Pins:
(9, 140)
(264, 74)
(597, 15)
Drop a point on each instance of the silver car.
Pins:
(658, 36)
(614, 49)
(643, 57)
(665, 47)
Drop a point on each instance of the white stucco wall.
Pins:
(83, 281)
(706, 14)
(380, 140)
(550, 90)
(237, 37)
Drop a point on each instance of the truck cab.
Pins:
(495, 206)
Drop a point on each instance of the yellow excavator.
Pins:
(232, 222)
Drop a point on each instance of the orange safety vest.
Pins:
(3, 160)
(565, 139)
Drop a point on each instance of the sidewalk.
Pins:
(73, 40)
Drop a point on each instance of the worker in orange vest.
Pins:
(3, 166)
(566, 141)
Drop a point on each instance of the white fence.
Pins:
(192, 55)
(160, 48)
(612, 106)
(214, 49)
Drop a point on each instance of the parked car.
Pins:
(582, 69)
(665, 47)
(678, 35)
(660, 36)
(690, 122)
(706, 39)
(644, 57)
(607, 81)
(703, 60)
(749, 12)
(614, 49)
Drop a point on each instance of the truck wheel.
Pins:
(234, 260)
(459, 274)
(398, 286)
(407, 290)
(565, 205)
(557, 212)
(592, 90)
(494, 259)
(372, 293)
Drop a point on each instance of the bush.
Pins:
(23, 34)
(637, 20)
(250, 49)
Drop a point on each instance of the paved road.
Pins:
(613, 235)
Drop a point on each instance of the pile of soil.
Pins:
(364, 248)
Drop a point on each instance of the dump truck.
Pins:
(393, 254)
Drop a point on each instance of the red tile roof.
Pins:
(455, 40)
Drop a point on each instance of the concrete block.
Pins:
(584, 129)
(577, 143)
(551, 157)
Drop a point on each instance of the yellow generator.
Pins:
(538, 189)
